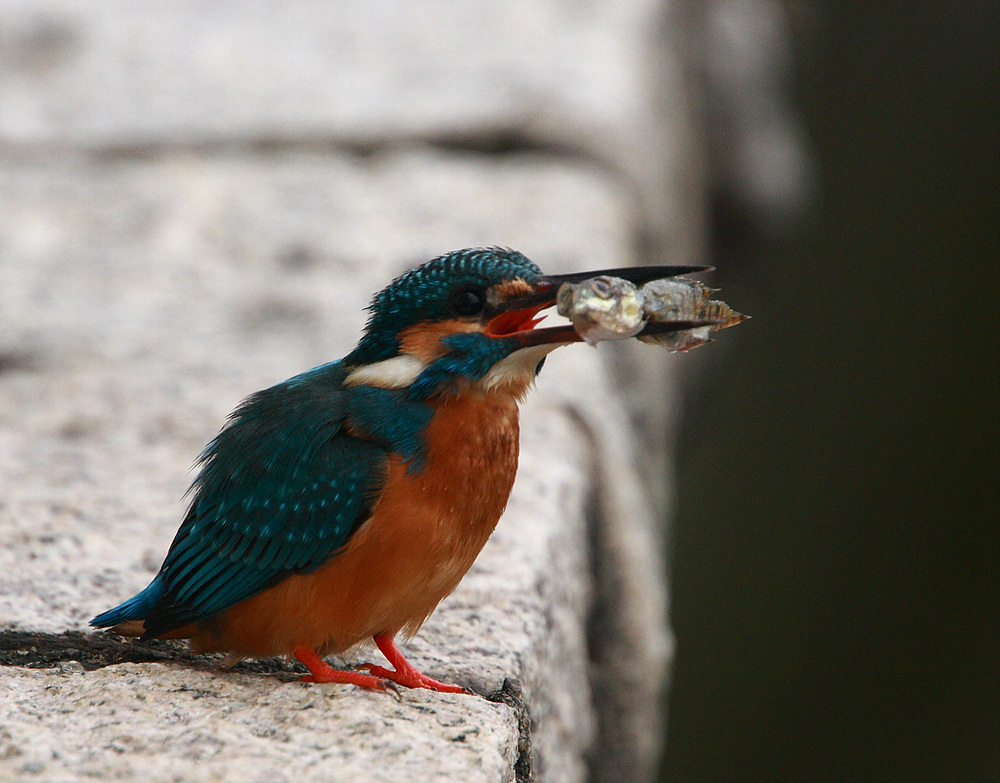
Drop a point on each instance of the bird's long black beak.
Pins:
(519, 315)
(640, 275)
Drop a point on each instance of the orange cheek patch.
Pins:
(423, 340)
(511, 288)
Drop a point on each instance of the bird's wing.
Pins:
(281, 489)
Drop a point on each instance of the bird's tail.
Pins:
(128, 617)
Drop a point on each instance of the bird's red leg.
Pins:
(405, 673)
(323, 672)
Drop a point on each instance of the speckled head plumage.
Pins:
(433, 292)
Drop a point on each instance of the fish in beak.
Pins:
(610, 306)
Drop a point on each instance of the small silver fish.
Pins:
(671, 300)
(602, 308)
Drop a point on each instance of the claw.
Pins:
(405, 673)
(321, 671)
(411, 678)
(371, 676)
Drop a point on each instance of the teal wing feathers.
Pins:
(281, 489)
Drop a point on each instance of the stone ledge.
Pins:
(147, 297)
(601, 81)
(162, 723)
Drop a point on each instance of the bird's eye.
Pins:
(468, 301)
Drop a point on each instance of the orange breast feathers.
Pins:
(425, 531)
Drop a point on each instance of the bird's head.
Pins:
(468, 317)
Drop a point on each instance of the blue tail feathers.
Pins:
(135, 608)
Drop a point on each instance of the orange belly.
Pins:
(424, 533)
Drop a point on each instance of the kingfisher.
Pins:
(341, 506)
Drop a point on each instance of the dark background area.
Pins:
(835, 559)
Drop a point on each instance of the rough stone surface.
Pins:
(181, 72)
(169, 723)
(144, 298)
(595, 78)
(601, 82)
(196, 201)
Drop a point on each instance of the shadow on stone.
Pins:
(34, 650)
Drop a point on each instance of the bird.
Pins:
(341, 506)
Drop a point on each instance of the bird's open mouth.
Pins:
(521, 314)
(514, 322)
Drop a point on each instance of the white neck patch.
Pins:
(514, 373)
(517, 371)
(395, 373)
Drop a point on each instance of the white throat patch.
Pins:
(516, 372)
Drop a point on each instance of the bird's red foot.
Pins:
(411, 678)
(323, 672)
(405, 672)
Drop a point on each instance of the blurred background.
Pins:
(834, 553)
(835, 560)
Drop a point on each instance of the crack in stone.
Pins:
(17, 360)
(498, 142)
(510, 694)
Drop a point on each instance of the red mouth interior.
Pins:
(507, 324)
